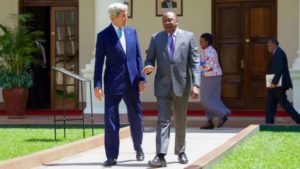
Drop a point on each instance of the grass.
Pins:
(265, 150)
(20, 140)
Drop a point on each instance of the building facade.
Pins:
(270, 18)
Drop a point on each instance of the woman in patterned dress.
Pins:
(211, 82)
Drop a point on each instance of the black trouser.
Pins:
(275, 96)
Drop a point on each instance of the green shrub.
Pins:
(17, 44)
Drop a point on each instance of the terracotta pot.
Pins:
(15, 101)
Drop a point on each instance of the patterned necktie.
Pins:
(120, 32)
(171, 46)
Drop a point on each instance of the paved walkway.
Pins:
(199, 142)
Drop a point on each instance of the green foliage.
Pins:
(16, 49)
(265, 150)
(9, 80)
(16, 142)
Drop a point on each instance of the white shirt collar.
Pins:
(175, 33)
(117, 28)
(275, 50)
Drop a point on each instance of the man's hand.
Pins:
(273, 86)
(142, 85)
(148, 69)
(99, 93)
(195, 92)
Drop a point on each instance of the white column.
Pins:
(296, 63)
(295, 73)
(102, 20)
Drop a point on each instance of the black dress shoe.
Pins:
(157, 162)
(140, 156)
(182, 158)
(222, 121)
(110, 162)
(209, 125)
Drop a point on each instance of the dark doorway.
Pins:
(39, 93)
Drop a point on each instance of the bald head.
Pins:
(169, 21)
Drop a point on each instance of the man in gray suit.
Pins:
(176, 53)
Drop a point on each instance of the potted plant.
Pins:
(17, 44)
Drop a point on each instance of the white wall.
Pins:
(86, 31)
(7, 7)
(86, 35)
(288, 27)
(288, 30)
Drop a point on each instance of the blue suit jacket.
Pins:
(120, 68)
(279, 67)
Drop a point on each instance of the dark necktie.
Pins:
(171, 46)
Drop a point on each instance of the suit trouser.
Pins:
(165, 105)
(112, 123)
(275, 96)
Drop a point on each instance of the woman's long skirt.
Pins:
(210, 92)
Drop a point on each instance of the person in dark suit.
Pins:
(123, 79)
(277, 94)
(168, 4)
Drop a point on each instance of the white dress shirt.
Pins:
(274, 51)
(122, 39)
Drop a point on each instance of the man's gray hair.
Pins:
(115, 9)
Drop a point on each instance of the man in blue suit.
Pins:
(277, 94)
(123, 79)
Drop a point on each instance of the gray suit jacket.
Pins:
(174, 74)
